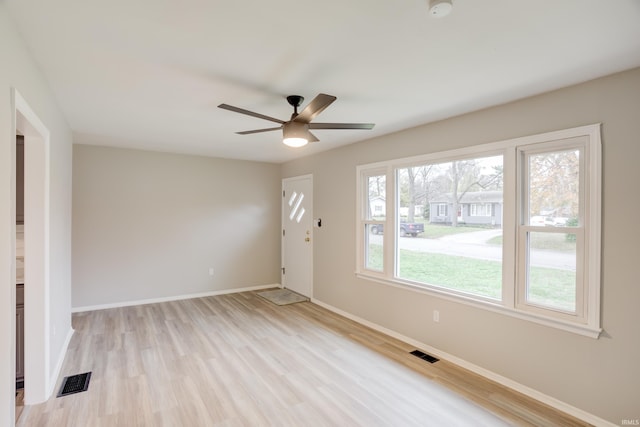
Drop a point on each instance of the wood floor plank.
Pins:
(238, 360)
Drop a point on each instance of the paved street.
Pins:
(474, 245)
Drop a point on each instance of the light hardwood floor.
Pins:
(238, 360)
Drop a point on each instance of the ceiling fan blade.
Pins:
(312, 137)
(365, 126)
(249, 113)
(315, 107)
(249, 132)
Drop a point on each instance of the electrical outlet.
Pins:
(436, 316)
(210, 271)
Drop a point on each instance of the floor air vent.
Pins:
(424, 356)
(74, 384)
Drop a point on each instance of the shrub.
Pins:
(571, 222)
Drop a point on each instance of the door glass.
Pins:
(296, 211)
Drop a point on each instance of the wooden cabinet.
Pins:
(19, 332)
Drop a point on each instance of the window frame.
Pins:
(586, 321)
(583, 288)
(365, 222)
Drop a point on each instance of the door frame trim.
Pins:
(38, 385)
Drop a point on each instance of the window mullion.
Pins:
(510, 214)
(390, 242)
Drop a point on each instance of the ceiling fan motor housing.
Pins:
(295, 100)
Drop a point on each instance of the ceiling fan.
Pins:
(296, 131)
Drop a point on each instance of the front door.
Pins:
(297, 234)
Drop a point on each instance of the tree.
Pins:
(418, 184)
(412, 195)
(426, 188)
(377, 186)
(554, 187)
(468, 175)
(414, 188)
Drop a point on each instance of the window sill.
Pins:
(575, 328)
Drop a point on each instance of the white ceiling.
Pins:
(149, 74)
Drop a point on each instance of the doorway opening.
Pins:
(35, 251)
(19, 239)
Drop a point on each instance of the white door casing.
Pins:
(39, 378)
(297, 234)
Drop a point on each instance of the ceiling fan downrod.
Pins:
(295, 101)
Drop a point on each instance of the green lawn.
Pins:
(475, 276)
(548, 286)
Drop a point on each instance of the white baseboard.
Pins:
(528, 391)
(171, 298)
(58, 368)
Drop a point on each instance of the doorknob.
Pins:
(307, 239)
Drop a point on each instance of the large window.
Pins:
(447, 255)
(512, 226)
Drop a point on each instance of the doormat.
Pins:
(282, 296)
(74, 384)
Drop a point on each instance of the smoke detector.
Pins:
(440, 8)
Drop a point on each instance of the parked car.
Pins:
(542, 221)
(538, 221)
(560, 221)
(406, 228)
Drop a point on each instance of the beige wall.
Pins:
(149, 225)
(19, 71)
(600, 376)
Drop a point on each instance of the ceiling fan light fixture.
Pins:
(295, 134)
(440, 8)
